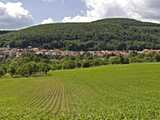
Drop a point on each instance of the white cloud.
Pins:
(147, 10)
(48, 0)
(48, 21)
(13, 15)
(52, 1)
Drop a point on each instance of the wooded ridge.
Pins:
(106, 34)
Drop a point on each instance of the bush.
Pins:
(149, 59)
(12, 69)
(135, 60)
(2, 71)
(115, 60)
(157, 57)
(70, 64)
(99, 61)
(86, 63)
(78, 64)
(27, 69)
(124, 60)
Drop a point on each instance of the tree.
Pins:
(43, 68)
(12, 69)
(27, 69)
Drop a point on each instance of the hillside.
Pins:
(115, 92)
(4, 32)
(110, 34)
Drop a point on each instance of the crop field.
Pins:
(113, 92)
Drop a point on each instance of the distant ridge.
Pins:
(4, 31)
(126, 21)
(105, 34)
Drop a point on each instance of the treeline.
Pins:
(108, 34)
(30, 65)
(26, 65)
(5, 31)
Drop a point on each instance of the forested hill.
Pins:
(106, 34)
(4, 31)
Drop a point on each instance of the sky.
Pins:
(16, 14)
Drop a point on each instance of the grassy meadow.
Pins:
(113, 92)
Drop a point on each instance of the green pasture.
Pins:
(113, 92)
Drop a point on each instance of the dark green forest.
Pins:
(106, 34)
(5, 31)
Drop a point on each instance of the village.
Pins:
(17, 52)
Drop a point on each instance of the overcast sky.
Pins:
(21, 13)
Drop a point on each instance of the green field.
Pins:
(114, 92)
